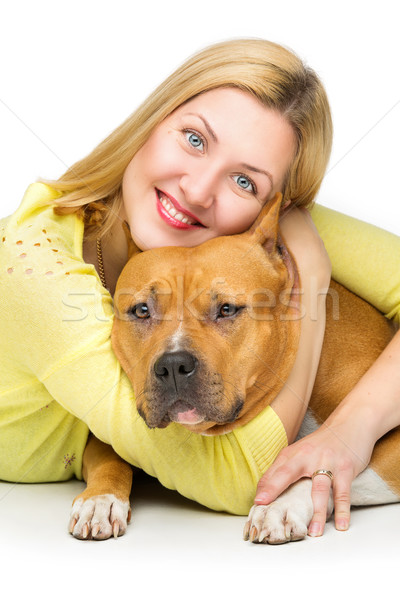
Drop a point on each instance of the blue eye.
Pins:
(194, 140)
(245, 183)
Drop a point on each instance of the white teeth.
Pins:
(181, 217)
(173, 212)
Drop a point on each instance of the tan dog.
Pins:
(197, 311)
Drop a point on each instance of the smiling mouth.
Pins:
(175, 213)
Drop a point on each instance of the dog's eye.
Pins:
(140, 311)
(227, 310)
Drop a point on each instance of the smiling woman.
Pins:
(277, 93)
(196, 165)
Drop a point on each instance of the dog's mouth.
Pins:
(183, 413)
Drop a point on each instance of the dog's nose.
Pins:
(174, 369)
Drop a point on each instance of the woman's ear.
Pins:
(286, 204)
(132, 248)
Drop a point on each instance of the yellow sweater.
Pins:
(59, 375)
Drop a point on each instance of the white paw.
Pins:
(274, 524)
(99, 517)
(285, 520)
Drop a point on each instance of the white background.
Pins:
(70, 73)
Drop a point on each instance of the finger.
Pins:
(341, 497)
(273, 483)
(321, 489)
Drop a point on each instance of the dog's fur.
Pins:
(230, 301)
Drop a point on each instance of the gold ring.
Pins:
(323, 472)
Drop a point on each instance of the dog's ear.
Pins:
(264, 230)
(132, 248)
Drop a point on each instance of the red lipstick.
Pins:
(170, 219)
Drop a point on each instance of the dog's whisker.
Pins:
(141, 393)
(227, 381)
(263, 388)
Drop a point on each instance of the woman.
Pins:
(236, 123)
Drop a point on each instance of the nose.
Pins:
(199, 187)
(174, 370)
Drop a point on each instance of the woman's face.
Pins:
(206, 170)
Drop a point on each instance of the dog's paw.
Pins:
(99, 517)
(275, 524)
(285, 520)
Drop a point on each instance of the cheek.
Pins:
(239, 219)
(159, 157)
(152, 162)
(127, 180)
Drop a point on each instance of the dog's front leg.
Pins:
(103, 509)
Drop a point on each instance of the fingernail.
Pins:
(262, 498)
(342, 525)
(314, 529)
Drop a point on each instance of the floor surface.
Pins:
(177, 548)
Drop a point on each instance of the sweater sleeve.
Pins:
(57, 320)
(365, 259)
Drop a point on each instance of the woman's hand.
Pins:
(338, 447)
(343, 444)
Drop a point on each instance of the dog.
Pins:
(181, 353)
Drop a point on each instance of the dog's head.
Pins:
(208, 335)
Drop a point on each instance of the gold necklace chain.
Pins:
(100, 263)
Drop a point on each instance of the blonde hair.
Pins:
(268, 71)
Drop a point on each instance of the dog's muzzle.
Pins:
(183, 390)
(176, 378)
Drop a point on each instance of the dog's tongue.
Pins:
(180, 412)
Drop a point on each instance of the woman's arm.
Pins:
(314, 267)
(366, 260)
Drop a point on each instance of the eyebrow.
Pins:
(207, 125)
(256, 170)
(215, 139)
